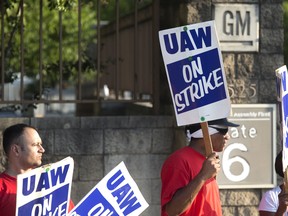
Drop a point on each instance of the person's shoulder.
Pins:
(2, 175)
(5, 177)
(180, 151)
(275, 189)
(180, 155)
(187, 150)
(269, 201)
(273, 192)
(7, 181)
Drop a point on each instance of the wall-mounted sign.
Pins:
(248, 159)
(237, 26)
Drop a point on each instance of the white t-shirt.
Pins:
(269, 201)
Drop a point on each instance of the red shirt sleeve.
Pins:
(71, 205)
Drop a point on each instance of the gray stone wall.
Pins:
(98, 144)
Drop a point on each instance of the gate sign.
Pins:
(248, 158)
(45, 190)
(195, 73)
(116, 194)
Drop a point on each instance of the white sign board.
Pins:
(282, 89)
(237, 26)
(45, 190)
(195, 73)
(116, 194)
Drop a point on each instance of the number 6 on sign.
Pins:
(227, 163)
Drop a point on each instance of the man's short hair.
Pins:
(11, 134)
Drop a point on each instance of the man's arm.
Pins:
(183, 198)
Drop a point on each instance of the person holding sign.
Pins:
(188, 179)
(23, 148)
(275, 201)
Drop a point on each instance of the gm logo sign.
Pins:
(237, 26)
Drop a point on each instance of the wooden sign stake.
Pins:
(207, 138)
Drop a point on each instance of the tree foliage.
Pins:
(50, 51)
(50, 37)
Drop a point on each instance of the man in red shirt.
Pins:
(189, 187)
(23, 148)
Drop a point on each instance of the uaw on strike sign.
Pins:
(195, 73)
(116, 194)
(282, 96)
(45, 191)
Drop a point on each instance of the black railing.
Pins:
(121, 60)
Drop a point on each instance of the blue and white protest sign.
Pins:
(282, 91)
(195, 73)
(116, 194)
(45, 190)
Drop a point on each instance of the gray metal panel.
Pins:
(248, 159)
